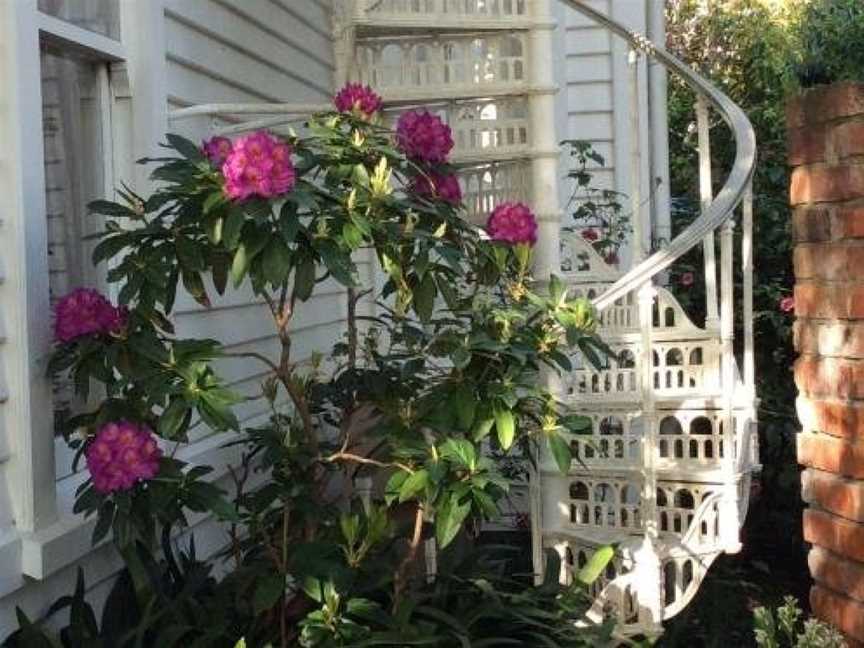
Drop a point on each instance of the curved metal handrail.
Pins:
(728, 198)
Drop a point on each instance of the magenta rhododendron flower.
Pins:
(86, 312)
(787, 304)
(217, 149)
(512, 223)
(423, 136)
(358, 99)
(444, 186)
(259, 165)
(590, 235)
(611, 258)
(122, 454)
(687, 279)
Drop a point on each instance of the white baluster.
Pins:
(730, 523)
(747, 274)
(647, 559)
(706, 191)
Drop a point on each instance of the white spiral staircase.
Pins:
(664, 472)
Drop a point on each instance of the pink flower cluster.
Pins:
(787, 304)
(258, 165)
(423, 137)
(687, 279)
(590, 235)
(441, 185)
(121, 455)
(217, 149)
(86, 312)
(512, 223)
(358, 99)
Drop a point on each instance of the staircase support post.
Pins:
(544, 200)
(639, 224)
(545, 160)
(706, 191)
(747, 278)
(650, 597)
(729, 521)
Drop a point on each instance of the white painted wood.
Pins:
(747, 273)
(637, 214)
(85, 41)
(24, 294)
(661, 197)
(706, 193)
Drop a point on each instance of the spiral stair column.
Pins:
(546, 155)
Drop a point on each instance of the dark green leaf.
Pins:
(185, 147)
(424, 298)
(194, 285)
(465, 406)
(172, 418)
(232, 227)
(268, 591)
(276, 261)
(108, 208)
(304, 279)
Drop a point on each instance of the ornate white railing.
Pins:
(675, 387)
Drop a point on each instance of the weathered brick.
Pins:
(844, 613)
(848, 223)
(822, 184)
(839, 377)
(841, 419)
(807, 145)
(833, 339)
(836, 494)
(848, 139)
(835, 534)
(821, 261)
(854, 300)
(834, 455)
(825, 103)
(808, 375)
(811, 225)
(826, 144)
(818, 300)
(837, 573)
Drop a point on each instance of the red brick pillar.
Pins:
(826, 150)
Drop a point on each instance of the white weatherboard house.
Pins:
(89, 86)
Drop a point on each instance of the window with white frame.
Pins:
(75, 154)
(64, 69)
(78, 40)
(98, 16)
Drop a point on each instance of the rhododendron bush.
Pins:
(405, 403)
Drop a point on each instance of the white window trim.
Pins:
(47, 536)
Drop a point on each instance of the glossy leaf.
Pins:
(505, 426)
